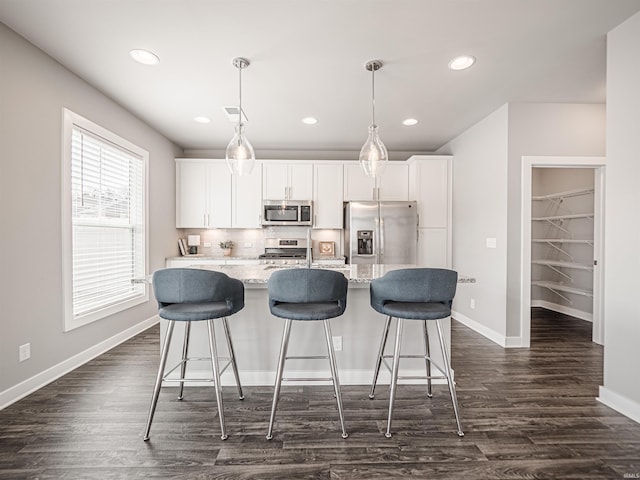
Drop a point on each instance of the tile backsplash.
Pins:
(250, 242)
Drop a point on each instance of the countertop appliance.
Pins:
(284, 251)
(381, 232)
(287, 212)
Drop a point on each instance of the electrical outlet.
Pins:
(207, 244)
(337, 344)
(24, 352)
(472, 303)
(248, 244)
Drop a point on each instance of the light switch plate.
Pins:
(491, 242)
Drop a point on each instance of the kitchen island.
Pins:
(257, 334)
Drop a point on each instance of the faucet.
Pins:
(309, 247)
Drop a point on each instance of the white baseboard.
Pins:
(554, 307)
(502, 340)
(619, 403)
(347, 377)
(21, 390)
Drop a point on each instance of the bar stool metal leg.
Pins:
(281, 360)
(427, 353)
(232, 356)
(383, 343)
(158, 385)
(185, 353)
(394, 374)
(216, 376)
(447, 367)
(334, 375)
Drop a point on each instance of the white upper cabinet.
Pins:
(357, 186)
(327, 195)
(207, 196)
(287, 181)
(392, 185)
(431, 188)
(203, 194)
(247, 199)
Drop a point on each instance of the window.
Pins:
(104, 215)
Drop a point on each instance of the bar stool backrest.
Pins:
(305, 285)
(424, 285)
(190, 285)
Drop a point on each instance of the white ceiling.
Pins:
(307, 58)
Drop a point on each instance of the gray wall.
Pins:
(543, 129)
(480, 211)
(487, 170)
(622, 233)
(33, 91)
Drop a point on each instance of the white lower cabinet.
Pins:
(187, 262)
(433, 247)
(430, 186)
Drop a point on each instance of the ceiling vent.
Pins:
(232, 114)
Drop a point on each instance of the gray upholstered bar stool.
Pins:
(307, 295)
(190, 295)
(423, 294)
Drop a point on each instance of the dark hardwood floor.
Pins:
(527, 414)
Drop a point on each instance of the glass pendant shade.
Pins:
(373, 155)
(240, 155)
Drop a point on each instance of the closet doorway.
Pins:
(562, 239)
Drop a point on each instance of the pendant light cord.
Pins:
(373, 96)
(240, 96)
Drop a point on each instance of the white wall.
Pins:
(479, 212)
(621, 388)
(33, 91)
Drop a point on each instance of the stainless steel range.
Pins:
(285, 251)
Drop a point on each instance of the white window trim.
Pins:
(70, 322)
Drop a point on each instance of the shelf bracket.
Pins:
(557, 270)
(561, 250)
(559, 294)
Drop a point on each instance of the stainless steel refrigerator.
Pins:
(381, 232)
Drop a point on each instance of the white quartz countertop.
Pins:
(356, 274)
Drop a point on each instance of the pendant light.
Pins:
(240, 156)
(373, 155)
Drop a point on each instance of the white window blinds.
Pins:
(107, 223)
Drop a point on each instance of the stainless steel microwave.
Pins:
(287, 212)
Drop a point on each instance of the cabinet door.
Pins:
(275, 181)
(431, 187)
(357, 186)
(301, 182)
(433, 248)
(219, 198)
(327, 201)
(394, 182)
(247, 200)
(191, 194)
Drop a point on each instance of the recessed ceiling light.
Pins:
(409, 121)
(462, 62)
(144, 57)
(309, 120)
(202, 119)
